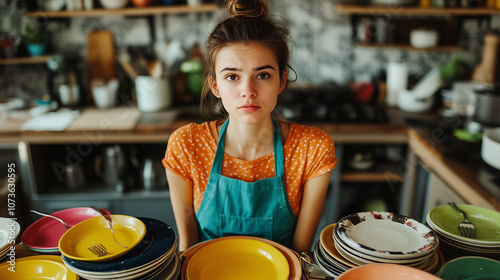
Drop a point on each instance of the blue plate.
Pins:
(158, 240)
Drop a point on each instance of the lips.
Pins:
(249, 107)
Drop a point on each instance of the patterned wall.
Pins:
(322, 47)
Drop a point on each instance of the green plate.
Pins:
(487, 222)
(470, 268)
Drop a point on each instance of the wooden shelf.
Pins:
(132, 11)
(448, 48)
(383, 171)
(25, 60)
(395, 10)
(371, 177)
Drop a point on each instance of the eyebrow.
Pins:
(255, 69)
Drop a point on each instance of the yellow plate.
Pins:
(36, 268)
(241, 259)
(129, 231)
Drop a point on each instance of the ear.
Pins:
(284, 78)
(213, 87)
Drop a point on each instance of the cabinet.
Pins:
(397, 22)
(51, 187)
(382, 184)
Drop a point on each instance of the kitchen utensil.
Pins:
(73, 177)
(44, 234)
(27, 268)
(160, 239)
(487, 101)
(104, 94)
(490, 147)
(73, 244)
(153, 175)
(486, 71)
(465, 227)
(428, 85)
(53, 217)
(409, 102)
(153, 94)
(256, 260)
(424, 38)
(443, 219)
(470, 268)
(385, 271)
(109, 222)
(101, 57)
(113, 4)
(111, 166)
(98, 250)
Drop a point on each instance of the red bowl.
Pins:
(44, 234)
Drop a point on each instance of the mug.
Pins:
(105, 94)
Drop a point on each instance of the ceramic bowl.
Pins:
(113, 4)
(470, 267)
(385, 271)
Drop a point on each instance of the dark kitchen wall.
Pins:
(322, 47)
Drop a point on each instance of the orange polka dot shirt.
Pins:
(308, 152)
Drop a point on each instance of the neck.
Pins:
(249, 141)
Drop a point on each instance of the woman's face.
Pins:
(247, 79)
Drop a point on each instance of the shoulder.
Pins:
(300, 132)
(190, 131)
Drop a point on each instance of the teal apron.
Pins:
(234, 207)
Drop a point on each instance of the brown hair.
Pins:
(248, 21)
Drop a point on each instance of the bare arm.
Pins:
(311, 208)
(181, 195)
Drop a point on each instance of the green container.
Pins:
(470, 268)
(193, 70)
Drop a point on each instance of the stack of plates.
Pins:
(43, 235)
(376, 237)
(240, 257)
(444, 221)
(153, 257)
(9, 230)
(37, 267)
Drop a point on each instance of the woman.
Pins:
(249, 174)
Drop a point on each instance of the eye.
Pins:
(263, 76)
(231, 77)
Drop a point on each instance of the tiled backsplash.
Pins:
(322, 47)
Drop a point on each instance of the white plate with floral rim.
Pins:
(386, 235)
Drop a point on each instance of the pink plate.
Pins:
(44, 234)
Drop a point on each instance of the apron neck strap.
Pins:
(277, 146)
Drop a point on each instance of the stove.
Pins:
(328, 104)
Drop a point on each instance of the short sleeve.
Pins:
(321, 153)
(177, 159)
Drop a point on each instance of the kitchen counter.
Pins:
(465, 178)
(469, 177)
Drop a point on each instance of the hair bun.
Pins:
(247, 8)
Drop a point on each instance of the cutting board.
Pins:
(115, 119)
(101, 56)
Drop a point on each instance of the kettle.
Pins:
(153, 175)
(111, 167)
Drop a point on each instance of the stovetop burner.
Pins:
(328, 105)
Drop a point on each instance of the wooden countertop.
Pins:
(465, 176)
(157, 127)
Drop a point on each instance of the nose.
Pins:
(248, 89)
